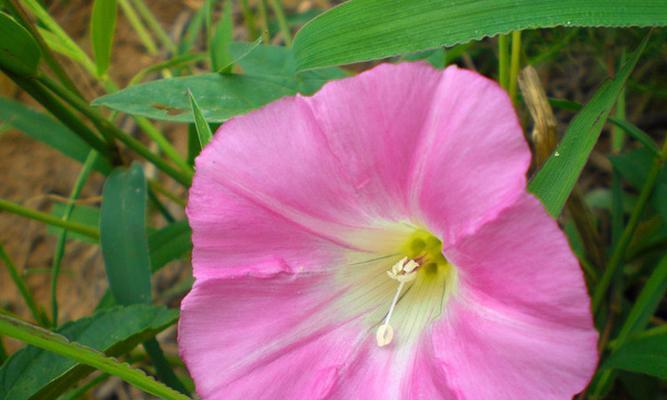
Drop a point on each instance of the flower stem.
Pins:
(158, 188)
(183, 176)
(62, 237)
(64, 115)
(282, 22)
(138, 27)
(23, 288)
(514, 65)
(155, 25)
(503, 61)
(49, 219)
(264, 16)
(249, 18)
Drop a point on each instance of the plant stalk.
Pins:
(23, 288)
(49, 219)
(62, 237)
(503, 61)
(282, 22)
(514, 65)
(182, 176)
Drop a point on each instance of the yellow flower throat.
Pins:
(427, 272)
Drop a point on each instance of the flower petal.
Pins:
(472, 158)
(260, 335)
(274, 333)
(372, 123)
(521, 325)
(231, 231)
(356, 153)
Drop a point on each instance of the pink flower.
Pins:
(376, 241)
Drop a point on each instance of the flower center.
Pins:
(425, 279)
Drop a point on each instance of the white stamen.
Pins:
(403, 271)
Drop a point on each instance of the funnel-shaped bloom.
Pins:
(376, 241)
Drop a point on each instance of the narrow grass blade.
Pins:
(629, 128)
(203, 129)
(62, 237)
(554, 182)
(49, 219)
(21, 285)
(221, 56)
(19, 51)
(647, 356)
(102, 27)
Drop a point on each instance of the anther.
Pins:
(404, 270)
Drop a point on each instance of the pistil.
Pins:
(403, 271)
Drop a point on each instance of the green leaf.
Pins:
(270, 73)
(81, 214)
(123, 236)
(194, 147)
(47, 130)
(279, 61)
(38, 374)
(644, 307)
(646, 355)
(203, 130)
(361, 30)
(165, 245)
(633, 165)
(102, 26)
(219, 96)
(647, 302)
(640, 387)
(125, 250)
(238, 56)
(19, 53)
(556, 179)
(637, 134)
(221, 57)
(65, 48)
(192, 32)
